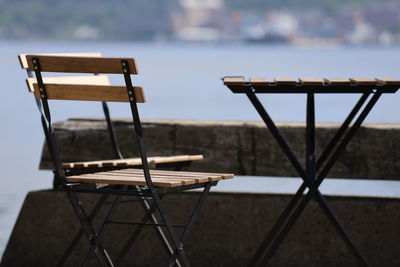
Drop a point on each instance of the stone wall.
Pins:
(241, 147)
(226, 233)
(231, 225)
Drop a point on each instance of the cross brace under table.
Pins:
(315, 170)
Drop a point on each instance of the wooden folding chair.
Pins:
(162, 162)
(142, 184)
(118, 161)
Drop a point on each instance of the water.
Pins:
(330, 186)
(180, 81)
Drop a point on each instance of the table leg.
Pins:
(311, 173)
(342, 129)
(285, 214)
(310, 137)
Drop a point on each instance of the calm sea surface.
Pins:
(180, 81)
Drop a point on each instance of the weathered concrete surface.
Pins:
(226, 233)
(245, 148)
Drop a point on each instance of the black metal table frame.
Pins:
(315, 170)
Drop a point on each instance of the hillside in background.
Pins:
(134, 19)
(60, 19)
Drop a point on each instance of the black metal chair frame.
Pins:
(103, 199)
(164, 227)
(316, 169)
(114, 144)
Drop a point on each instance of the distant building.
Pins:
(277, 27)
(199, 20)
(86, 32)
(363, 31)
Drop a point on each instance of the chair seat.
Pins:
(130, 162)
(159, 178)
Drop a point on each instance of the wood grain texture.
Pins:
(84, 92)
(233, 81)
(211, 176)
(284, 81)
(107, 65)
(363, 81)
(24, 63)
(136, 177)
(337, 81)
(259, 82)
(91, 79)
(131, 161)
(388, 81)
(308, 81)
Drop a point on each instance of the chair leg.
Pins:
(149, 210)
(95, 240)
(101, 253)
(159, 230)
(149, 215)
(79, 234)
(182, 258)
(189, 224)
(175, 248)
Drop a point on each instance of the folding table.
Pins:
(315, 170)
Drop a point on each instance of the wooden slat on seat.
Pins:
(363, 81)
(284, 81)
(388, 81)
(89, 92)
(91, 79)
(337, 81)
(81, 64)
(159, 178)
(131, 161)
(185, 179)
(233, 81)
(115, 179)
(24, 62)
(306, 81)
(259, 82)
(211, 176)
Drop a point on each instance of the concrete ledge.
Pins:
(241, 147)
(226, 233)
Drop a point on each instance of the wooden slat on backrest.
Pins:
(92, 79)
(24, 62)
(89, 92)
(81, 64)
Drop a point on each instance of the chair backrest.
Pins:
(91, 90)
(24, 63)
(66, 79)
(80, 64)
(91, 79)
(88, 89)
